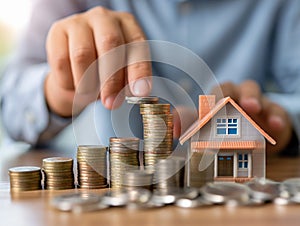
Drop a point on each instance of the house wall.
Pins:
(259, 162)
(246, 132)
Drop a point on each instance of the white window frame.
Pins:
(228, 135)
(243, 161)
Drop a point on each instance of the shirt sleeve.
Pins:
(25, 114)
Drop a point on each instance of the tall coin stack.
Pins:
(58, 173)
(158, 132)
(92, 166)
(25, 178)
(124, 156)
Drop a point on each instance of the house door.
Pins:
(225, 166)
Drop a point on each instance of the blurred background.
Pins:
(14, 16)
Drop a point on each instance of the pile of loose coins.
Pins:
(257, 192)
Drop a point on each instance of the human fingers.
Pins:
(138, 56)
(224, 90)
(82, 54)
(58, 56)
(108, 35)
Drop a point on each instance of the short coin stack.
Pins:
(138, 179)
(165, 174)
(25, 178)
(158, 132)
(58, 173)
(92, 166)
(123, 155)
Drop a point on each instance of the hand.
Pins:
(268, 115)
(75, 42)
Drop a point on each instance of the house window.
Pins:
(243, 161)
(227, 126)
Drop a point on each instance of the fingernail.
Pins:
(141, 87)
(109, 101)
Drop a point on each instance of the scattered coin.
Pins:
(223, 192)
(77, 202)
(116, 197)
(192, 203)
(263, 190)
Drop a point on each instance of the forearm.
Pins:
(24, 110)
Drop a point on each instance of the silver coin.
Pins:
(222, 192)
(264, 190)
(68, 201)
(89, 208)
(141, 100)
(291, 187)
(23, 169)
(192, 203)
(117, 197)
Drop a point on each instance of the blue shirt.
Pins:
(239, 40)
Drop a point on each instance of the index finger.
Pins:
(138, 56)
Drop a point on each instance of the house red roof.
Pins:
(197, 125)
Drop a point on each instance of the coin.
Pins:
(25, 178)
(92, 166)
(223, 192)
(263, 190)
(142, 100)
(192, 203)
(123, 157)
(158, 132)
(68, 202)
(119, 197)
(138, 179)
(58, 173)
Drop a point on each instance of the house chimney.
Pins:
(206, 103)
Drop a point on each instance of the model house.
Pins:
(230, 142)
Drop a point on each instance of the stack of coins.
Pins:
(158, 132)
(92, 166)
(58, 173)
(124, 156)
(138, 179)
(25, 178)
(165, 174)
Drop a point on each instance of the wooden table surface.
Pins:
(33, 209)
